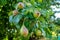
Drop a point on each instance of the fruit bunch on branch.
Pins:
(29, 18)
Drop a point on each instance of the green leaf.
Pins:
(42, 19)
(15, 6)
(3, 2)
(40, 1)
(43, 12)
(47, 30)
(11, 19)
(17, 18)
(19, 0)
(32, 1)
(17, 26)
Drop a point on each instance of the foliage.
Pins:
(34, 15)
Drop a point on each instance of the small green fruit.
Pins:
(24, 31)
(36, 14)
(15, 12)
(20, 5)
(38, 33)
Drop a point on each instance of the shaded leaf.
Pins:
(17, 18)
(11, 19)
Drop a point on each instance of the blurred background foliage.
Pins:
(47, 22)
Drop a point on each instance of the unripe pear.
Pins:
(24, 31)
(20, 5)
(38, 33)
(15, 12)
(36, 14)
